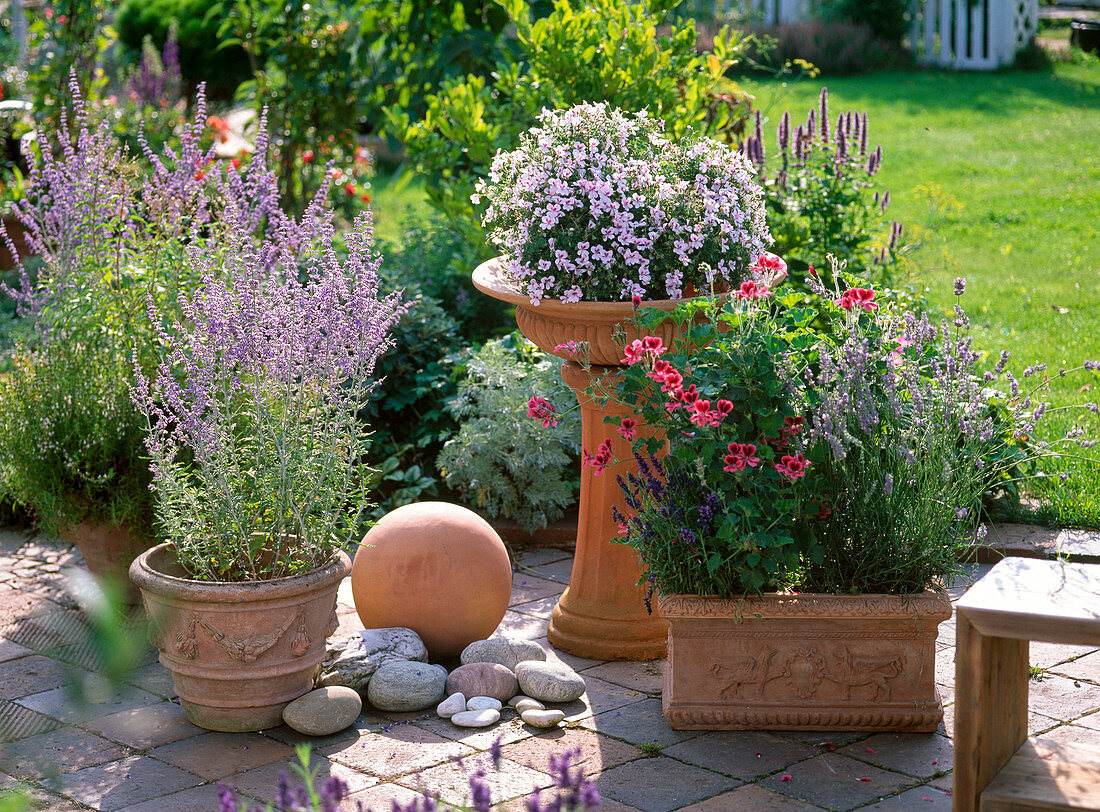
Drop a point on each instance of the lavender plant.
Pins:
(821, 197)
(108, 235)
(598, 205)
(257, 455)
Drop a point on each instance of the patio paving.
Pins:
(129, 747)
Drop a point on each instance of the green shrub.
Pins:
(886, 19)
(71, 439)
(203, 58)
(504, 462)
(823, 199)
(835, 47)
(406, 410)
(431, 260)
(614, 51)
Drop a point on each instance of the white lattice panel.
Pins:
(975, 34)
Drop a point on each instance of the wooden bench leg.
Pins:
(990, 709)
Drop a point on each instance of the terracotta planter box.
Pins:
(238, 652)
(803, 662)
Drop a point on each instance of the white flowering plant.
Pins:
(598, 205)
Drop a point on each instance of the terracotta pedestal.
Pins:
(602, 613)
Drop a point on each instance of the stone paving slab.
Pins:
(135, 751)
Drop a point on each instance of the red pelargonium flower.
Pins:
(307, 156)
(791, 427)
(542, 409)
(793, 467)
(600, 460)
(724, 407)
(740, 456)
(628, 428)
(857, 297)
(750, 290)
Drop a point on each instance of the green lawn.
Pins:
(996, 176)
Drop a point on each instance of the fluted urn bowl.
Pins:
(552, 322)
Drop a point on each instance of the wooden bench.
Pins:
(997, 768)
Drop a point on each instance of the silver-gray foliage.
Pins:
(507, 463)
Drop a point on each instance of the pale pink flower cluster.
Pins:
(596, 204)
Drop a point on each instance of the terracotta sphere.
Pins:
(436, 568)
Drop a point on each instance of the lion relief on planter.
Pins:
(803, 669)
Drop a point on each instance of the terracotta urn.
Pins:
(108, 551)
(436, 568)
(238, 652)
(18, 237)
(803, 662)
(602, 614)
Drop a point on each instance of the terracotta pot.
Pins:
(238, 652)
(16, 232)
(803, 662)
(602, 613)
(108, 551)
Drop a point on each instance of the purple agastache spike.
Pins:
(863, 136)
(825, 115)
(783, 132)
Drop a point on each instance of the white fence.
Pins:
(981, 34)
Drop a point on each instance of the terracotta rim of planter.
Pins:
(157, 570)
(791, 604)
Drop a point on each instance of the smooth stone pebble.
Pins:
(542, 718)
(549, 682)
(455, 703)
(324, 711)
(507, 651)
(353, 661)
(476, 718)
(483, 679)
(403, 686)
(517, 699)
(483, 703)
(528, 704)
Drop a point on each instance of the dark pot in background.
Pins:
(1085, 34)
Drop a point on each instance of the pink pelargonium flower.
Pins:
(703, 415)
(628, 428)
(600, 460)
(770, 269)
(857, 297)
(750, 290)
(793, 467)
(642, 349)
(542, 409)
(740, 456)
